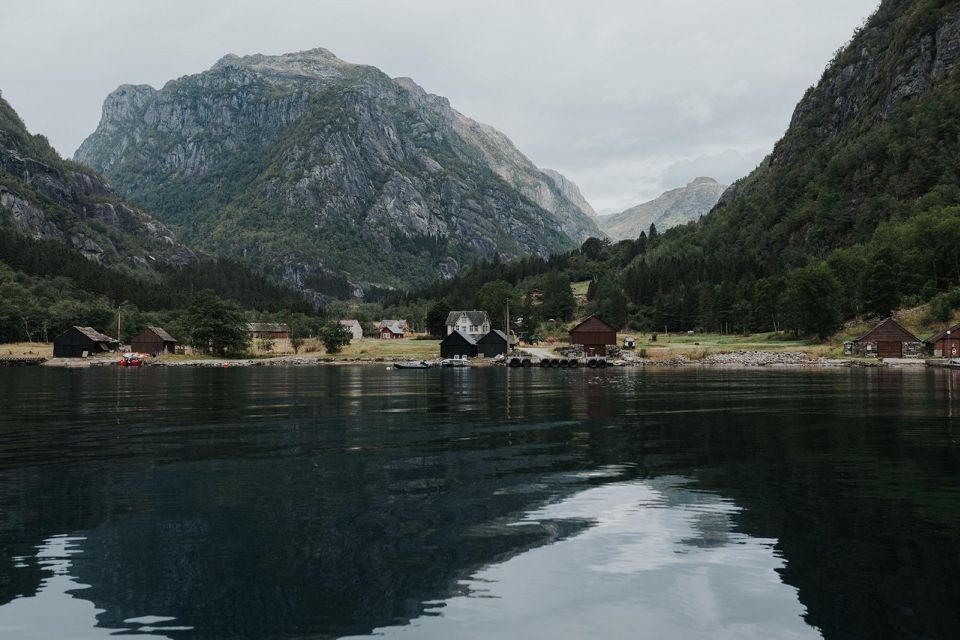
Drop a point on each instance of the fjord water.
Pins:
(484, 503)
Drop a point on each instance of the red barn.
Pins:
(595, 335)
(391, 330)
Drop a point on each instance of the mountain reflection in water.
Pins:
(332, 502)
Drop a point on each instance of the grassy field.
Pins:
(27, 349)
(370, 348)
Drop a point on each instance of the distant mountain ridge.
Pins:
(673, 208)
(310, 165)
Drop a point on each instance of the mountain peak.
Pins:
(318, 62)
(675, 207)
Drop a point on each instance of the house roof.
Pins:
(955, 329)
(477, 318)
(458, 334)
(350, 323)
(267, 327)
(163, 335)
(598, 325)
(495, 334)
(892, 328)
(95, 335)
(393, 326)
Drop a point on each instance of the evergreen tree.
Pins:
(558, 301)
(811, 301)
(437, 318)
(216, 326)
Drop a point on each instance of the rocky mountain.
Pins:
(310, 166)
(46, 197)
(673, 208)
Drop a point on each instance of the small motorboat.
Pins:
(455, 362)
(413, 364)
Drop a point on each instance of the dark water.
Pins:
(332, 502)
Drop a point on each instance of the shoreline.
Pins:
(729, 360)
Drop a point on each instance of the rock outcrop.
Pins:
(308, 161)
(44, 197)
(673, 208)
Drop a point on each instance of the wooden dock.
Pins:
(21, 361)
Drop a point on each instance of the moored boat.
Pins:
(418, 364)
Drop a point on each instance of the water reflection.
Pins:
(57, 608)
(329, 502)
(658, 559)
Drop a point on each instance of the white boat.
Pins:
(455, 362)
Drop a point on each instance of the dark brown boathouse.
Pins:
(888, 340)
(80, 342)
(595, 335)
(153, 341)
(945, 344)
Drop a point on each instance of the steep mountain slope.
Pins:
(43, 196)
(865, 179)
(673, 208)
(308, 165)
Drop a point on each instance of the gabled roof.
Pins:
(267, 327)
(893, 328)
(392, 325)
(163, 335)
(463, 336)
(954, 330)
(95, 335)
(350, 323)
(477, 318)
(496, 333)
(594, 320)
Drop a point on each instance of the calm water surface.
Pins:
(350, 502)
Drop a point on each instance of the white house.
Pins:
(475, 324)
(353, 326)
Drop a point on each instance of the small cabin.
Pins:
(268, 331)
(153, 341)
(80, 342)
(888, 340)
(945, 344)
(594, 335)
(353, 326)
(495, 343)
(458, 345)
(391, 330)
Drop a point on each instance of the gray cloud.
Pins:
(628, 98)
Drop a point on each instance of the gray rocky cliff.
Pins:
(48, 198)
(306, 164)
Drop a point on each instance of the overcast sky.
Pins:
(626, 97)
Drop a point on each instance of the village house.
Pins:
(392, 329)
(495, 343)
(888, 340)
(268, 331)
(475, 324)
(945, 344)
(594, 335)
(153, 341)
(80, 342)
(458, 344)
(353, 326)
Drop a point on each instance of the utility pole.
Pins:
(507, 321)
(118, 322)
